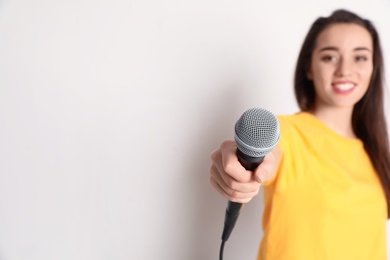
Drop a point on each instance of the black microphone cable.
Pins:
(233, 208)
(256, 134)
(221, 250)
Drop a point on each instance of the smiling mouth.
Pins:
(344, 86)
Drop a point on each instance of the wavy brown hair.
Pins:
(368, 117)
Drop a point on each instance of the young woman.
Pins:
(327, 183)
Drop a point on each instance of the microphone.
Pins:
(256, 133)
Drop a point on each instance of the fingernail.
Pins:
(260, 175)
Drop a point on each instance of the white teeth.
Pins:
(346, 86)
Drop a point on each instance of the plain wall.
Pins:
(109, 111)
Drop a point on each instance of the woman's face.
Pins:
(341, 65)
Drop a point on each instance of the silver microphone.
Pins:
(256, 133)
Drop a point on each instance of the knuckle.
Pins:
(225, 143)
(212, 170)
(241, 178)
(234, 194)
(229, 167)
(213, 156)
(232, 184)
(229, 183)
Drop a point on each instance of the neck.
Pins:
(337, 119)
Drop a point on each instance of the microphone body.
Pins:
(256, 134)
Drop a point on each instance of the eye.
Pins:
(360, 58)
(329, 58)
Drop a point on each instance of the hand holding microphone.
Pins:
(230, 179)
(235, 171)
(240, 182)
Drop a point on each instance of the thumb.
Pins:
(266, 170)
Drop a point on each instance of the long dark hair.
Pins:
(368, 117)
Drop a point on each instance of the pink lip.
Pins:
(343, 82)
(342, 91)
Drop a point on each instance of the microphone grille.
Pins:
(257, 132)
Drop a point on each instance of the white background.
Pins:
(109, 111)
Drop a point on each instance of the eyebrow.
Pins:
(331, 48)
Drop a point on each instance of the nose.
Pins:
(344, 68)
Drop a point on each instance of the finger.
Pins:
(230, 185)
(231, 165)
(232, 172)
(220, 190)
(266, 170)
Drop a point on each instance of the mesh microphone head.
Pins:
(256, 132)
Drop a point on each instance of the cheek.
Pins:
(322, 75)
(369, 73)
(365, 81)
(366, 70)
(366, 75)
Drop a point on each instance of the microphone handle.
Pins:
(233, 208)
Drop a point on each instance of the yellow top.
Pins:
(325, 201)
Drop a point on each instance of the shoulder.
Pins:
(293, 121)
(296, 129)
(300, 121)
(296, 118)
